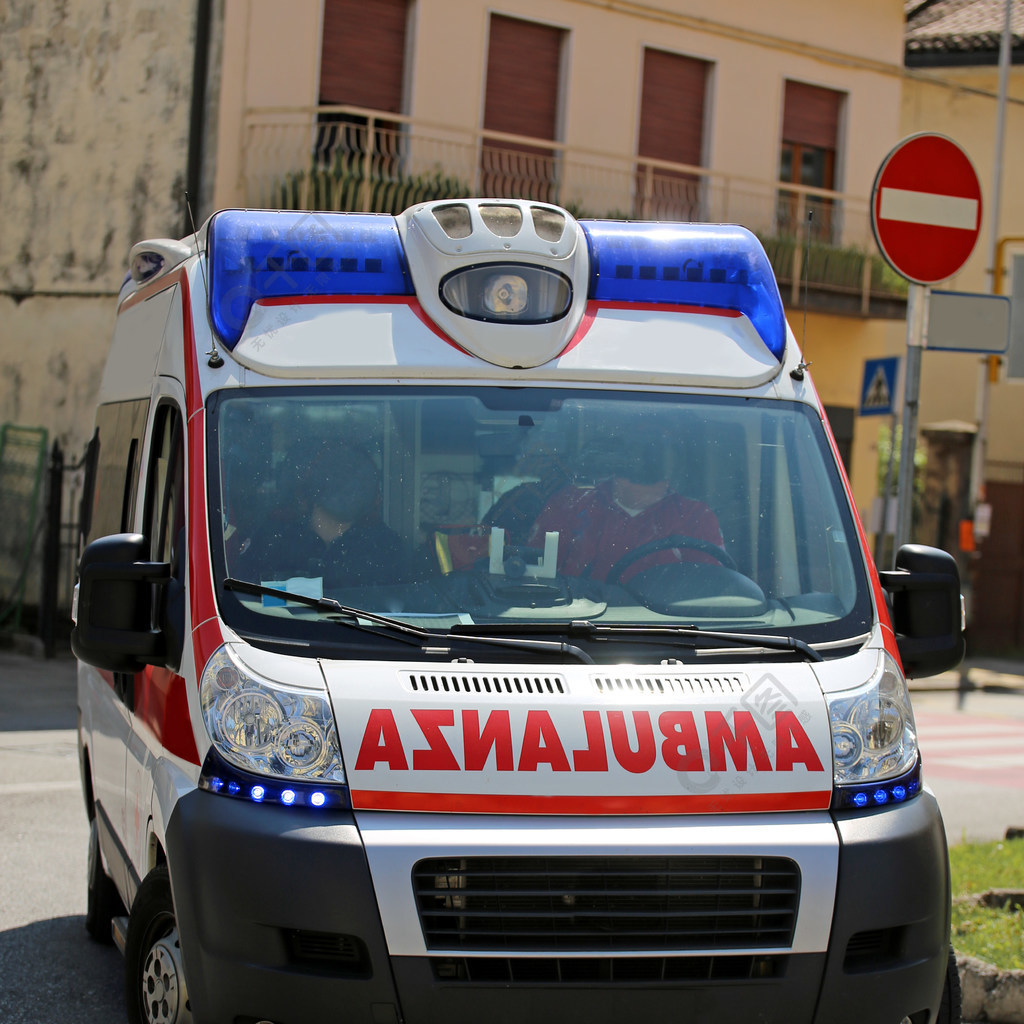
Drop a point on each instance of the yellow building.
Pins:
(951, 86)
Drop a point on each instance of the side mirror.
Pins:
(927, 610)
(114, 610)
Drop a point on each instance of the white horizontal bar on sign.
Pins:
(928, 208)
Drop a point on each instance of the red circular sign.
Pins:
(926, 208)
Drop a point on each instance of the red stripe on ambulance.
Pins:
(519, 803)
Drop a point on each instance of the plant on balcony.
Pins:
(343, 186)
(832, 267)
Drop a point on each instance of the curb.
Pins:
(990, 994)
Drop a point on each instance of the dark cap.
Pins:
(344, 482)
(640, 454)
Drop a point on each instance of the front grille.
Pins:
(594, 904)
(606, 970)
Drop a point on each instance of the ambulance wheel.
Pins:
(103, 903)
(677, 540)
(155, 991)
(950, 1008)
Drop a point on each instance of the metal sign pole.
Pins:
(917, 311)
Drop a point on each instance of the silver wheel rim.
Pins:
(164, 997)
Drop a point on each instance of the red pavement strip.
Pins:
(986, 750)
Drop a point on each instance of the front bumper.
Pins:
(279, 919)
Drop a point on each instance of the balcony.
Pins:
(351, 158)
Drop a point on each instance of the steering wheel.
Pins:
(675, 540)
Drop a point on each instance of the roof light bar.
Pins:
(260, 254)
(717, 266)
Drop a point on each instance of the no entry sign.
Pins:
(926, 208)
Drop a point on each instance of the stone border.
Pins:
(990, 994)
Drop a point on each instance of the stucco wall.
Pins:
(94, 139)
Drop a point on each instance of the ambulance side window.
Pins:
(165, 493)
(115, 468)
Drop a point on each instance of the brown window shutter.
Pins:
(811, 115)
(363, 53)
(523, 64)
(672, 107)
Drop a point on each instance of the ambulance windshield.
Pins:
(515, 508)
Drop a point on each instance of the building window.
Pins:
(524, 68)
(672, 105)
(362, 64)
(807, 156)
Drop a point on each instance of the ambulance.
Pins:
(475, 624)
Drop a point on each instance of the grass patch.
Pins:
(978, 867)
(996, 936)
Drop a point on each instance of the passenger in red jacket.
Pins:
(597, 526)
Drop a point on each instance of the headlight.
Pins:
(266, 727)
(873, 733)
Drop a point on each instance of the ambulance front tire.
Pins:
(102, 903)
(155, 991)
(950, 1008)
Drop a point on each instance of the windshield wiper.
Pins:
(690, 636)
(415, 635)
(696, 637)
(326, 604)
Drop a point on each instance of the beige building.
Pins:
(675, 109)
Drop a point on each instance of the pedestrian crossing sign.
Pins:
(878, 390)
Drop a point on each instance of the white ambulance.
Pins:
(475, 625)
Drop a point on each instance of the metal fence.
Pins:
(22, 466)
(41, 494)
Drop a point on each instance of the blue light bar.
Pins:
(260, 254)
(717, 266)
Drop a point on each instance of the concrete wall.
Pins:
(94, 137)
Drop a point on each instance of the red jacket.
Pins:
(594, 531)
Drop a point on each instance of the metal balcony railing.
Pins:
(354, 158)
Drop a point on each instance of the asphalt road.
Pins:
(50, 971)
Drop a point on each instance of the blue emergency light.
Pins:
(260, 254)
(714, 266)
(872, 795)
(218, 777)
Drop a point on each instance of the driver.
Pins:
(635, 505)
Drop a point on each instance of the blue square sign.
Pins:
(878, 389)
